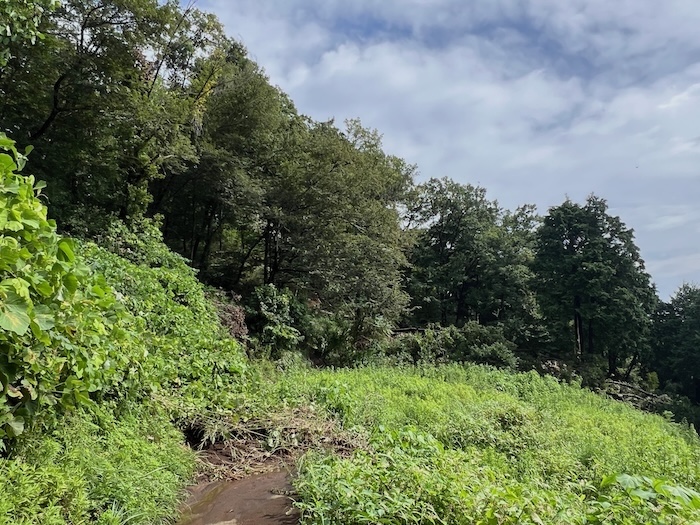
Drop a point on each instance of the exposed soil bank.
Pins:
(258, 500)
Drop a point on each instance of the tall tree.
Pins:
(276, 198)
(676, 343)
(219, 198)
(471, 259)
(594, 290)
(108, 100)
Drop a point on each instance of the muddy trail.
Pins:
(262, 499)
(245, 477)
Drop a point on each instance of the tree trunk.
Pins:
(443, 310)
(244, 260)
(633, 363)
(612, 363)
(461, 310)
(578, 329)
(209, 237)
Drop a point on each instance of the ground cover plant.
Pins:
(467, 444)
(109, 466)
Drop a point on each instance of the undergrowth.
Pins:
(110, 466)
(122, 458)
(106, 354)
(468, 444)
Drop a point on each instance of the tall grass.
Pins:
(468, 444)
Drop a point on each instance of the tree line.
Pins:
(142, 110)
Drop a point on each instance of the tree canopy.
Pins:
(594, 291)
(145, 111)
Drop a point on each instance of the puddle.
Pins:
(257, 500)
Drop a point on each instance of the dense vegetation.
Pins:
(172, 164)
(471, 445)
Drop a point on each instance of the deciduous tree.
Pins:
(592, 285)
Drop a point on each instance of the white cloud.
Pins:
(534, 99)
(680, 266)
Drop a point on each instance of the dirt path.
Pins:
(257, 500)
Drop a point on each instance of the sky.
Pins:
(535, 100)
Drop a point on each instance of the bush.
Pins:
(270, 319)
(65, 337)
(113, 465)
(93, 337)
(473, 343)
(192, 361)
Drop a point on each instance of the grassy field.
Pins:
(471, 445)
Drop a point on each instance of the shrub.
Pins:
(111, 465)
(271, 320)
(63, 334)
(192, 361)
(473, 343)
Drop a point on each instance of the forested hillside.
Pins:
(174, 223)
(140, 110)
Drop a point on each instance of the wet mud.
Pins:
(262, 499)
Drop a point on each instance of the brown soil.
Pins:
(258, 500)
(243, 478)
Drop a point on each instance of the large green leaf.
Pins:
(7, 163)
(14, 316)
(15, 426)
(71, 283)
(44, 317)
(65, 251)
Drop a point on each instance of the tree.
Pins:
(471, 259)
(219, 198)
(592, 285)
(676, 343)
(20, 22)
(110, 101)
(276, 198)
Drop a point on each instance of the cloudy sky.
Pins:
(535, 100)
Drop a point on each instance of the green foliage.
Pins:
(466, 444)
(629, 500)
(192, 362)
(116, 327)
(65, 336)
(20, 21)
(676, 343)
(278, 199)
(595, 294)
(326, 337)
(471, 259)
(111, 98)
(271, 319)
(472, 342)
(409, 477)
(108, 466)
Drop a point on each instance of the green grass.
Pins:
(446, 445)
(472, 445)
(122, 459)
(108, 467)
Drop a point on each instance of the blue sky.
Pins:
(535, 100)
